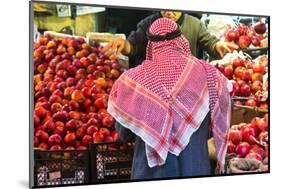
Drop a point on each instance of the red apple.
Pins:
(240, 83)
(71, 125)
(42, 135)
(61, 116)
(43, 146)
(104, 131)
(73, 105)
(91, 130)
(85, 61)
(115, 73)
(96, 89)
(262, 124)
(81, 148)
(40, 112)
(100, 103)
(70, 148)
(247, 132)
(238, 62)
(108, 139)
(233, 35)
(77, 96)
(56, 147)
(244, 41)
(54, 139)
(228, 71)
(49, 126)
(87, 92)
(239, 71)
(108, 121)
(258, 68)
(92, 57)
(74, 115)
(86, 140)
(56, 107)
(98, 137)
(256, 41)
(72, 70)
(114, 135)
(35, 141)
(242, 29)
(256, 86)
(256, 77)
(245, 90)
(60, 130)
(235, 89)
(36, 120)
(246, 75)
(70, 139)
(80, 132)
(86, 103)
(77, 63)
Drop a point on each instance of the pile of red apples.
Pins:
(72, 81)
(249, 82)
(246, 37)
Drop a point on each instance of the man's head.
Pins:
(173, 15)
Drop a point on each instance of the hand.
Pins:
(117, 46)
(223, 47)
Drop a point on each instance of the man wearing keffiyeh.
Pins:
(168, 103)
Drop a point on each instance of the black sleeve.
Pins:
(124, 133)
(139, 41)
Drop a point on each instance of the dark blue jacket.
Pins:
(192, 161)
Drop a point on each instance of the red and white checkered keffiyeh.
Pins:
(165, 100)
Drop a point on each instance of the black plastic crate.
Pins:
(64, 167)
(255, 52)
(111, 161)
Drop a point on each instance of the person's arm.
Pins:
(124, 133)
(138, 40)
(207, 41)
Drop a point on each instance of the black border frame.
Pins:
(31, 99)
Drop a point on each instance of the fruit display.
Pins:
(250, 78)
(254, 36)
(250, 140)
(72, 81)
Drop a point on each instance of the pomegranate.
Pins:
(243, 149)
(245, 90)
(247, 132)
(235, 136)
(230, 147)
(260, 27)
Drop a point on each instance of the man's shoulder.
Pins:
(147, 21)
(192, 19)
